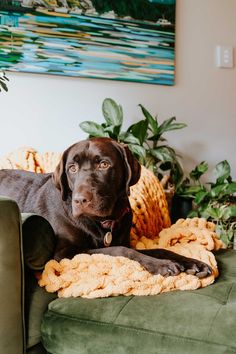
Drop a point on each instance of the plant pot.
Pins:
(180, 208)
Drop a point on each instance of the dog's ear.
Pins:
(133, 168)
(60, 178)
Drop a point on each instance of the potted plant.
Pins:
(186, 191)
(3, 79)
(214, 201)
(144, 138)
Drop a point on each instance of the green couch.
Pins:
(198, 322)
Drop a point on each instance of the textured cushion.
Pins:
(200, 321)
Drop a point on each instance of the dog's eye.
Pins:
(103, 165)
(73, 168)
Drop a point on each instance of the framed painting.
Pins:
(129, 40)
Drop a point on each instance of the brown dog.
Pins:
(86, 202)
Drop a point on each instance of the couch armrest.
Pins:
(26, 241)
(39, 243)
(11, 279)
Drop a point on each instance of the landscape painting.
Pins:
(128, 40)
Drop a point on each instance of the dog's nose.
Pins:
(83, 198)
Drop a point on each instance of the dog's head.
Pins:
(96, 173)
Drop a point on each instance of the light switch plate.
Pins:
(224, 56)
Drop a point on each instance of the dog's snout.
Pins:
(83, 198)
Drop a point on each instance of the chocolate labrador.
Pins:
(86, 202)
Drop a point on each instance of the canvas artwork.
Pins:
(129, 40)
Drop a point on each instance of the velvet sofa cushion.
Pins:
(200, 321)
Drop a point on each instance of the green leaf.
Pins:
(218, 191)
(226, 189)
(156, 137)
(139, 130)
(199, 170)
(93, 129)
(222, 171)
(128, 138)
(224, 234)
(168, 125)
(190, 191)
(3, 78)
(138, 151)
(200, 196)
(231, 188)
(112, 112)
(193, 214)
(162, 153)
(151, 121)
(229, 212)
(3, 85)
(210, 212)
(113, 131)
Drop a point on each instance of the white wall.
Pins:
(44, 111)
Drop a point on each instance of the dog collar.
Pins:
(112, 224)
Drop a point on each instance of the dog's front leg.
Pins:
(153, 265)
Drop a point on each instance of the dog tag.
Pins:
(107, 239)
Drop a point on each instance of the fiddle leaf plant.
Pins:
(3, 79)
(144, 138)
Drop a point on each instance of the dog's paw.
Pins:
(165, 267)
(198, 268)
(170, 267)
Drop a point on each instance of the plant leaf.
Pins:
(113, 131)
(3, 85)
(222, 171)
(112, 112)
(229, 212)
(168, 125)
(139, 130)
(210, 212)
(190, 191)
(156, 137)
(199, 170)
(93, 129)
(151, 121)
(221, 190)
(193, 214)
(138, 151)
(231, 188)
(162, 153)
(218, 191)
(200, 196)
(128, 138)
